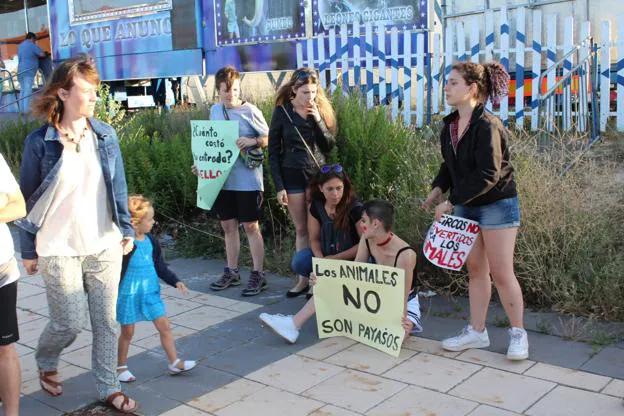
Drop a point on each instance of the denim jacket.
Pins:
(41, 163)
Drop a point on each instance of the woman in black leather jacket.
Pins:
(302, 129)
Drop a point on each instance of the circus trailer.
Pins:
(136, 42)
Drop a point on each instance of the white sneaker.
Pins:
(518, 344)
(469, 338)
(282, 325)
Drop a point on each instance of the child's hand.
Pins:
(312, 280)
(127, 244)
(182, 288)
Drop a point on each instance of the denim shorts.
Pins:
(295, 180)
(504, 213)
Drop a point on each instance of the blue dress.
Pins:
(139, 292)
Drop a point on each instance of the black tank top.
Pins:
(372, 259)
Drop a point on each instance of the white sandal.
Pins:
(188, 365)
(125, 376)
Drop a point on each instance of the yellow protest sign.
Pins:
(361, 301)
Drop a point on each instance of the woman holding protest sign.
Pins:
(303, 127)
(479, 174)
(377, 245)
(240, 200)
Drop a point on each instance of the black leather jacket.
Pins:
(480, 172)
(285, 146)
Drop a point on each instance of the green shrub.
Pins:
(12, 135)
(569, 254)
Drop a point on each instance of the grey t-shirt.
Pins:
(251, 123)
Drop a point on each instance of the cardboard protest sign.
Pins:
(214, 154)
(361, 301)
(449, 241)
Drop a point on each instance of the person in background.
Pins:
(477, 169)
(28, 63)
(303, 123)
(12, 207)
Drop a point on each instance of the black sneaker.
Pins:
(257, 283)
(230, 277)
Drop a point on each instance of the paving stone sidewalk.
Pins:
(245, 369)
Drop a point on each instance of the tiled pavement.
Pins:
(244, 369)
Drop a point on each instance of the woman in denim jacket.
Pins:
(78, 225)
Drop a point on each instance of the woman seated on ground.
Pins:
(378, 245)
(333, 217)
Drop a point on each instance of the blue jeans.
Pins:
(302, 262)
(504, 213)
(26, 82)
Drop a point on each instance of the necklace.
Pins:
(386, 241)
(74, 139)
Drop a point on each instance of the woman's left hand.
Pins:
(182, 288)
(243, 142)
(127, 244)
(442, 209)
(313, 111)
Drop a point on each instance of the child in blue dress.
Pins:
(139, 291)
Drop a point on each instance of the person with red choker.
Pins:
(377, 245)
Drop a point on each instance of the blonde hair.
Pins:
(299, 78)
(138, 206)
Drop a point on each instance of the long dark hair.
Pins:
(341, 219)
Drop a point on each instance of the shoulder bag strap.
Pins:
(301, 137)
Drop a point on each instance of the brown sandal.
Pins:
(126, 400)
(44, 377)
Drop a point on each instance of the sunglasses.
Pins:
(329, 168)
(303, 73)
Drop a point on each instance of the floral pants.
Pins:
(71, 284)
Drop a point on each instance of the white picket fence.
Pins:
(401, 59)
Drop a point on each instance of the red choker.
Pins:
(386, 241)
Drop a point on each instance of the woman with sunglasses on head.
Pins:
(478, 171)
(333, 227)
(332, 220)
(303, 127)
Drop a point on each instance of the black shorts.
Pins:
(8, 314)
(295, 180)
(245, 206)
